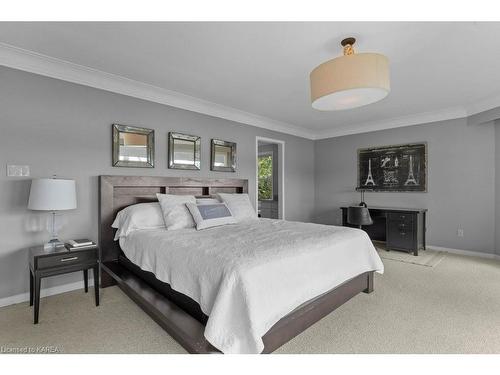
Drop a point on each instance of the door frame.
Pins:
(281, 162)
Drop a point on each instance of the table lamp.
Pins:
(52, 194)
(359, 215)
(362, 191)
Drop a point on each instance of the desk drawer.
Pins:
(400, 217)
(400, 235)
(69, 258)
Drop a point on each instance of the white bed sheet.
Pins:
(249, 275)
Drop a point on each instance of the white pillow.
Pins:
(175, 212)
(239, 205)
(210, 215)
(138, 216)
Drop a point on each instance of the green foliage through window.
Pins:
(265, 177)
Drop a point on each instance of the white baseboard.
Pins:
(465, 252)
(23, 297)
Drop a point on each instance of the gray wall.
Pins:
(497, 186)
(61, 128)
(461, 180)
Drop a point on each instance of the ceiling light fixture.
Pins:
(350, 81)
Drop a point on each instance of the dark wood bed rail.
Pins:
(189, 332)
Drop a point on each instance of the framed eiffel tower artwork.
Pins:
(395, 168)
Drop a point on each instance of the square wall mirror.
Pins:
(183, 151)
(133, 146)
(223, 156)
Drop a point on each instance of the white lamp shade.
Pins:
(50, 194)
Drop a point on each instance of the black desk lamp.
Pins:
(362, 203)
(359, 215)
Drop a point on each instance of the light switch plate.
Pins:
(18, 170)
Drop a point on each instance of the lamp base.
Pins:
(53, 244)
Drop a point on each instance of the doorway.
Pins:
(270, 178)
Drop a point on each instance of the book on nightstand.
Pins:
(80, 244)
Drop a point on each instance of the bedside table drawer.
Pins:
(66, 259)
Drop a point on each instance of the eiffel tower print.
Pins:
(411, 178)
(369, 178)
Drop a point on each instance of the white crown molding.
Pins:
(415, 119)
(29, 61)
(33, 62)
(483, 105)
(397, 122)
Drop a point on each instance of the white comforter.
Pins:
(248, 276)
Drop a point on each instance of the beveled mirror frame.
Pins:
(172, 136)
(149, 133)
(232, 163)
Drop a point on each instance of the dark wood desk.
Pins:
(400, 228)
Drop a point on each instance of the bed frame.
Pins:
(179, 315)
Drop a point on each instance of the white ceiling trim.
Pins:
(33, 62)
(397, 122)
(483, 105)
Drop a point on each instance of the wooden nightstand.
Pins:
(45, 263)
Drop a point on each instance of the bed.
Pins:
(177, 277)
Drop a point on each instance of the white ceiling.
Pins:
(438, 70)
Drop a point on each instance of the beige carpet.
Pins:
(453, 308)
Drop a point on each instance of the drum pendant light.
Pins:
(350, 81)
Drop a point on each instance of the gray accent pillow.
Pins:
(210, 215)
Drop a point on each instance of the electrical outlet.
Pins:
(460, 232)
(18, 170)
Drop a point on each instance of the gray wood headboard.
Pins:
(118, 192)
